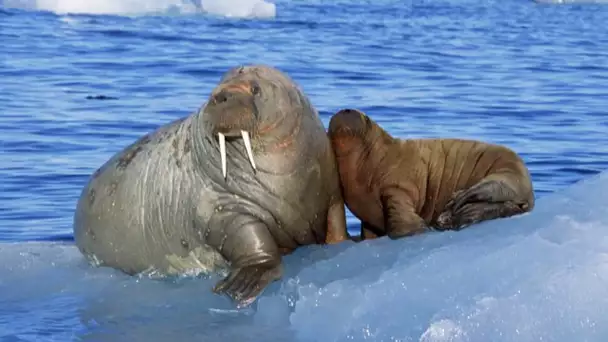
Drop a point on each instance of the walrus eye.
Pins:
(255, 89)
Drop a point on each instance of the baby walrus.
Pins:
(404, 187)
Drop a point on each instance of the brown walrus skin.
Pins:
(405, 187)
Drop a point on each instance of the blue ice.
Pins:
(538, 276)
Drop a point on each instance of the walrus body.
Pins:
(405, 187)
(189, 197)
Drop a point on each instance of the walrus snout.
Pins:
(232, 108)
(232, 112)
(232, 92)
(231, 100)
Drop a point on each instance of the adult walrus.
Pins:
(249, 177)
(404, 187)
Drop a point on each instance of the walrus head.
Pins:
(349, 128)
(248, 102)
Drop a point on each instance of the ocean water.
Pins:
(527, 75)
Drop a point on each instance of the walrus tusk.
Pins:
(247, 141)
(223, 152)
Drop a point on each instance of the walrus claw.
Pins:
(245, 284)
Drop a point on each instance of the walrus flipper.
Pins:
(254, 257)
(368, 231)
(336, 223)
(496, 196)
(471, 213)
(400, 218)
(490, 191)
(247, 283)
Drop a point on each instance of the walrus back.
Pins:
(133, 211)
(456, 164)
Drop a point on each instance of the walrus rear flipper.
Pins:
(400, 216)
(471, 213)
(255, 260)
(496, 196)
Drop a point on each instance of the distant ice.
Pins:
(539, 276)
(228, 8)
(572, 1)
(240, 8)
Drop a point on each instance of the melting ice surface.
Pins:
(543, 275)
(228, 8)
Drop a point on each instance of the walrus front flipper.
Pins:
(255, 259)
(247, 283)
(368, 231)
(400, 218)
(336, 224)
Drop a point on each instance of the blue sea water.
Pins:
(527, 75)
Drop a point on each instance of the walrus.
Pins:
(231, 187)
(406, 187)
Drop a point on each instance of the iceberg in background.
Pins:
(539, 276)
(227, 8)
(240, 8)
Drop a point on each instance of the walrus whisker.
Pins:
(222, 139)
(247, 142)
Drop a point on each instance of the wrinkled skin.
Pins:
(406, 187)
(163, 204)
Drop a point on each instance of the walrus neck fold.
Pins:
(198, 141)
(269, 138)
